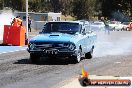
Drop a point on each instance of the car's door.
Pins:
(87, 40)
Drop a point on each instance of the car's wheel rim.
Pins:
(78, 57)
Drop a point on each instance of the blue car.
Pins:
(62, 39)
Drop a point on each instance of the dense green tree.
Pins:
(14, 4)
(66, 7)
(120, 8)
(55, 5)
(83, 9)
(1, 4)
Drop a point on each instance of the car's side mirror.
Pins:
(84, 33)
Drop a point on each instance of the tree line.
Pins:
(80, 9)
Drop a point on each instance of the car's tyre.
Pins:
(77, 58)
(114, 29)
(89, 55)
(34, 58)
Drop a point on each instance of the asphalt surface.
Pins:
(112, 57)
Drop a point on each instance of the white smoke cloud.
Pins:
(6, 18)
(113, 44)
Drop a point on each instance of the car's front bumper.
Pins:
(53, 52)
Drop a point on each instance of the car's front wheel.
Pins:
(34, 58)
(77, 58)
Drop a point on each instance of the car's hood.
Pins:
(53, 37)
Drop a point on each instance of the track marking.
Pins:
(13, 51)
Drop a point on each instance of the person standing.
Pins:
(29, 24)
(106, 23)
(17, 21)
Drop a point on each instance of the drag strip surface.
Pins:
(16, 70)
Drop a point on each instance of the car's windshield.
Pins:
(63, 27)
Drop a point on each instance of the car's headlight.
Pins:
(31, 46)
(72, 47)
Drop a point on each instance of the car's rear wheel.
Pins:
(78, 57)
(89, 55)
(113, 29)
(34, 58)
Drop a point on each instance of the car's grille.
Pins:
(51, 45)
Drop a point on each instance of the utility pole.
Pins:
(27, 20)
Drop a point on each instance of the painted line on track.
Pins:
(13, 51)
